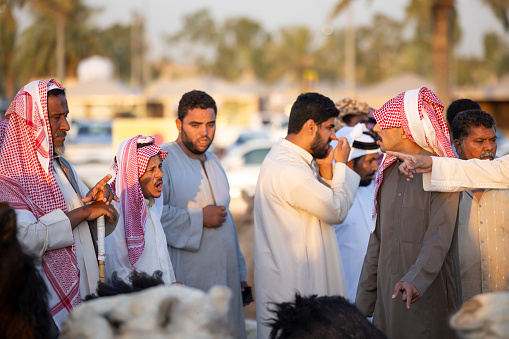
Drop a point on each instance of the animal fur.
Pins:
(23, 294)
(326, 317)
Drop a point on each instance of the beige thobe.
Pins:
(415, 240)
(484, 243)
(453, 175)
(295, 247)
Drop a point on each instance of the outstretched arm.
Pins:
(413, 163)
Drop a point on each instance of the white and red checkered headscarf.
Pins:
(419, 112)
(131, 164)
(27, 182)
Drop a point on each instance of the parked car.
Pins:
(90, 150)
(242, 165)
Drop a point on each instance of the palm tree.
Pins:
(438, 18)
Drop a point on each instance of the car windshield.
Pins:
(256, 156)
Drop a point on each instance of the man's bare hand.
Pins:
(342, 151)
(243, 285)
(213, 216)
(325, 164)
(91, 212)
(101, 192)
(410, 293)
(413, 163)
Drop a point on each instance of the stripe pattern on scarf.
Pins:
(27, 182)
(419, 112)
(131, 163)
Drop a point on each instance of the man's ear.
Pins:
(350, 165)
(178, 122)
(403, 135)
(310, 126)
(458, 145)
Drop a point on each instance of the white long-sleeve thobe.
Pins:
(453, 175)
(295, 247)
(353, 237)
(202, 257)
(53, 231)
(155, 255)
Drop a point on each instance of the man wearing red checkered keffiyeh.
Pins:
(138, 242)
(413, 249)
(47, 195)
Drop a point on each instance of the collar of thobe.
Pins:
(301, 152)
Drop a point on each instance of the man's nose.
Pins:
(64, 125)
(333, 136)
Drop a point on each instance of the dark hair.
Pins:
(145, 144)
(195, 99)
(56, 92)
(325, 317)
(460, 105)
(473, 117)
(312, 106)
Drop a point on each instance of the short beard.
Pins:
(59, 151)
(189, 144)
(320, 150)
(365, 182)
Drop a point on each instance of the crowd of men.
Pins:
(331, 216)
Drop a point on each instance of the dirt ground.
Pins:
(244, 222)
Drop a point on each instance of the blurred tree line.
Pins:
(240, 47)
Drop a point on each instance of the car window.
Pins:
(255, 156)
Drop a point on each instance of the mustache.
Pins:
(488, 155)
(60, 134)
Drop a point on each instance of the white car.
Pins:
(242, 165)
(89, 149)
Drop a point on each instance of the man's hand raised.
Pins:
(342, 151)
(213, 216)
(101, 192)
(413, 163)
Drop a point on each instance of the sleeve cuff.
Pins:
(59, 229)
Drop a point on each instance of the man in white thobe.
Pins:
(200, 231)
(299, 196)
(53, 206)
(353, 234)
(455, 175)
(138, 242)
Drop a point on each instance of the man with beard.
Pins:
(200, 231)
(299, 196)
(138, 242)
(55, 210)
(482, 217)
(413, 249)
(353, 233)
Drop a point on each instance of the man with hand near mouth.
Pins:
(353, 234)
(138, 243)
(200, 231)
(481, 235)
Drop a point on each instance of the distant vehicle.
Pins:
(242, 165)
(91, 142)
(89, 149)
(250, 135)
(502, 144)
